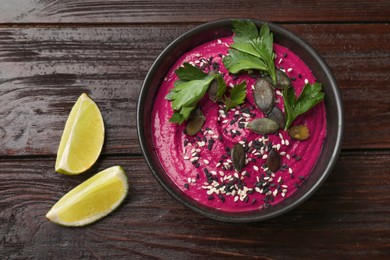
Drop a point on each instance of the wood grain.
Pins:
(43, 71)
(121, 11)
(347, 217)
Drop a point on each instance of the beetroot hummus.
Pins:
(201, 165)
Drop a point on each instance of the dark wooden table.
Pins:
(52, 51)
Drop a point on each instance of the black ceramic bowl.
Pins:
(211, 31)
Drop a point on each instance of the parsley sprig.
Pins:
(191, 87)
(251, 49)
(237, 96)
(310, 96)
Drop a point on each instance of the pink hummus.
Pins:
(204, 172)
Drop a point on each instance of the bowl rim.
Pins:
(273, 28)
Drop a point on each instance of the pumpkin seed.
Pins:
(273, 161)
(263, 126)
(277, 115)
(213, 91)
(238, 156)
(196, 122)
(282, 80)
(299, 132)
(264, 95)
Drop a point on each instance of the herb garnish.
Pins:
(310, 96)
(252, 49)
(189, 90)
(237, 96)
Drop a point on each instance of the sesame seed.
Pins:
(278, 146)
(265, 156)
(219, 41)
(213, 172)
(275, 192)
(306, 81)
(288, 156)
(283, 194)
(287, 142)
(217, 165)
(279, 93)
(198, 55)
(221, 173)
(282, 142)
(189, 180)
(186, 186)
(290, 170)
(289, 69)
(279, 179)
(201, 144)
(257, 189)
(282, 153)
(186, 157)
(255, 168)
(194, 159)
(280, 61)
(206, 161)
(284, 186)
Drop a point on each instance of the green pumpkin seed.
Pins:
(196, 122)
(273, 161)
(263, 126)
(213, 90)
(299, 132)
(264, 95)
(238, 157)
(277, 115)
(282, 80)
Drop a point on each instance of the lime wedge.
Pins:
(91, 200)
(82, 139)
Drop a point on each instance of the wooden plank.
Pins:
(44, 70)
(121, 11)
(347, 217)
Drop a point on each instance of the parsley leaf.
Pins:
(252, 49)
(189, 72)
(237, 96)
(237, 61)
(189, 90)
(310, 96)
